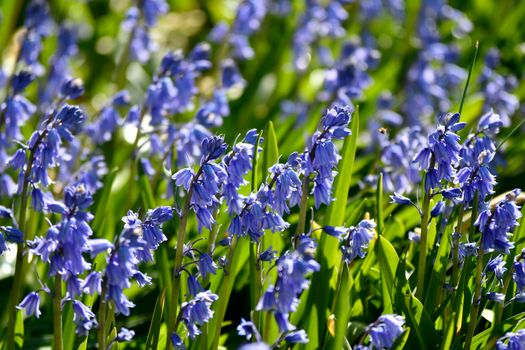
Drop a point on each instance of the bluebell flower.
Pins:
(237, 164)
(322, 156)
(496, 297)
(497, 266)
(348, 79)
(125, 334)
(385, 331)
(132, 248)
(317, 22)
(292, 268)
(194, 287)
(12, 234)
(92, 283)
(497, 225)
(437, 209)
(519, 276)
(442, 153)
(255, 346)
(199, 57)
(205, 185)
(21, 80)
(230, 75)
(152, 9)
(498, 89)
(177, 342)
(356, 239)
(72, 88)
(297, 337)
(64, 244)
(433, 79)
(197, 311)
(467, 249)
(31, 304)
(141, 44)
(206, 265)
(400, 173)
(515, 341)
(247, 329)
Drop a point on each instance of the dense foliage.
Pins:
(262, 174)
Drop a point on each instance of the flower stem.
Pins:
(20, 261)
(455, 253)
(423, 247)
(175, 294)
(303, 206)
(474, 311)
(225, 292)
(57, 314)
(102, 311)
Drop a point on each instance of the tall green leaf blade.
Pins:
(329, 254)
(342, 309)
(388, 263)
(100, 213)
(19, 329)
(152, 339)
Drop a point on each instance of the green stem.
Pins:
(20, 261)
(423, 245)
(267, 326)
(455, 253)
(57, 314)
(474, 311)
(468, 77)
(102, 311)
(303, 206)
(224, 293)
(134, 158)
(175, 294)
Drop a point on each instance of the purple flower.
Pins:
(247, 329)
(292, 268)
(31, 304)
(497, 265)
(442, 153)
(385, 331)
(515, 341)
(297, 337)
(125, 334)
(497, 225)
(356, 239)
(197, 311)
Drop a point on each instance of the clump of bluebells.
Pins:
(306, 251)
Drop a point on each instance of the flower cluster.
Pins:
(442, 153)
(292, 267)
(322, 156)
(133, 247)
(204, 186)
(497, 225)
(354, 240)
(384, 332)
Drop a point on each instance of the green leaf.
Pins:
(329, 254)
(19, 329)
(439, 270)
(342, 309)
(100, 213)
(388, 263)
(146, 192)
(336, 212)
(449, 335)
(271, 149)
(379, 204)
(69, 327)
(152, 339)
